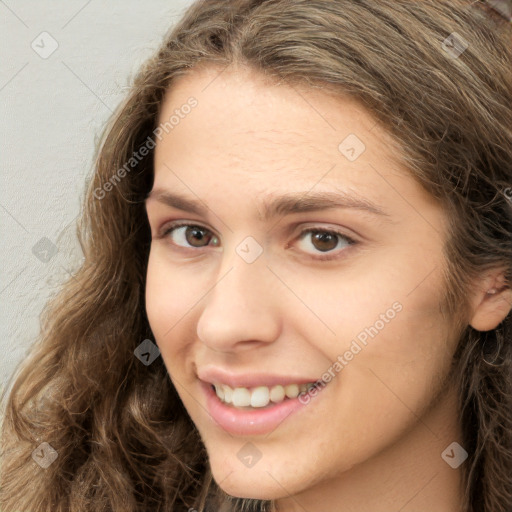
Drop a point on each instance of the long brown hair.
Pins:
(123, 440)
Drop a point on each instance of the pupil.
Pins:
(326, 240)
(196, 235)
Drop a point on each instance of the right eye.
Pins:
(194, 235)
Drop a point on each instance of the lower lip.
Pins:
(243, 422)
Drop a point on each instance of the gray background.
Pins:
(53, 109)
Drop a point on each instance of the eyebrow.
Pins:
(274, 207)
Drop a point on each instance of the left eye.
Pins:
(196, 236)
(326, 240)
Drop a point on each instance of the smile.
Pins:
(260, 396)
(259, 410)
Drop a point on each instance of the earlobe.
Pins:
(491, 304)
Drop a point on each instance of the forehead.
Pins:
(240, 108)
(251, 134)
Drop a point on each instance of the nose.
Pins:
(241, 311)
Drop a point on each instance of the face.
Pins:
(340, 285)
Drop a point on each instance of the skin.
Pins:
(372, 440)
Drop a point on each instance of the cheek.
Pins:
(166, 301)
(400, 369)
(168, 291)
(156, 284)
(172, 294)
(396, 345)
(397, 297)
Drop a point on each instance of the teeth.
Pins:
(241, 397)
(260, 396)
(277, 394)
(220, 391)
(228, 394)
(292, 391)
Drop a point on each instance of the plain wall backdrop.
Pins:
(66, 65)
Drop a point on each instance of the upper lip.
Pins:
(249, 379)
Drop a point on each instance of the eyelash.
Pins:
(350, 241)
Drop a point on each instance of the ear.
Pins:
(491, 302)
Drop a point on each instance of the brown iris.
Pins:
(324, 241)
(195, 234)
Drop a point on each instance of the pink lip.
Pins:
(215, 375)
(241, 422)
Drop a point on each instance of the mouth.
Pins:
(245, 406)
(260, 397)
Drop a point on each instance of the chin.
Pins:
(248, 483)
(251, 490)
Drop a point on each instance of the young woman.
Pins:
(296, 288)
